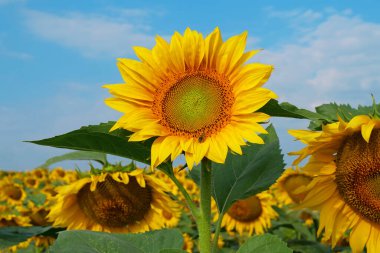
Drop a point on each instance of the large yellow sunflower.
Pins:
(195, 94)
(345, 158)
(11, 191)
(113, 202)
(250, 215)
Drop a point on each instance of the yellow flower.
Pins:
(112, 202)
(250, 215)
(13, 220)
(188, 243)
(11, 192)
(345, 161)
(195, 94)
(287, 187)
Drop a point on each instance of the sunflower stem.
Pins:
(204, 223)
(194, 210)
(216, 233)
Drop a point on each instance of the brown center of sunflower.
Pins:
(358, 174)
(31, 181)
(195, 105)
(292, 182)
(13, 192)
(115, 204)
(246, 210)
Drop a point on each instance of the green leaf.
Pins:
(264, 243)
(77, 155)
(98, 138)
(274, 109)
(98, 242)
(304, 246)
(254, 171)
(10, 236)
(173, 251)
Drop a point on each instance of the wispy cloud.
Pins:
(337, 60)
(92, 34)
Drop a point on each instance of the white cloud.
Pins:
(337, 60)
(93, 35)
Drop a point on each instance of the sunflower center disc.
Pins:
(115, 204)
(13, 192)
(197, 105)
(358, 174)
(246, 210)
(292, 182)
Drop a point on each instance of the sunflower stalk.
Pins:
(194, 210)
(204, 223)
(216, 233)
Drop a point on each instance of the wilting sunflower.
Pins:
(250, 215)
(195, 94)
(112, 202)
(345, 158)
(287, 187)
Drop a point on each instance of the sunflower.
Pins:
(11, 191)
(287, 187)
(112, 202)
(345, 159)
(250, 215)
(188, 243)
(195, 94)
(13, 220)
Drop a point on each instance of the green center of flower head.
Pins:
(292, 183)
(248, 209)
(197, 104)
(115, 204)
(358, 174)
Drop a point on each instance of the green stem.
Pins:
(194, 210)
(204, 223)
(216, 234)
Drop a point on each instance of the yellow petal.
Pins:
(367, 130)
(359, 236)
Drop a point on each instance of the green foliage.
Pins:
(243, 176)
(10, 236)
(98, 138)
(274, 109)
(264, 243)
(160, 241)
(330, 113)
(77, 155)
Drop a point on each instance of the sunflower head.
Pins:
(344, 158)
(195, 94)
(289, 187)
(250, 215)
(112, 202)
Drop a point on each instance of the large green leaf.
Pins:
(304, 246)
(274, 109)
(98, 242)
(98, 138)
(264, 243)
(77, 155)
(254, 171)
(10, 236)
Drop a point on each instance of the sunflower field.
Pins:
(197, 99)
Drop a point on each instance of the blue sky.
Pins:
(56, 55)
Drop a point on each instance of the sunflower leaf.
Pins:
(330, 113)
(98, 138)
(10, 236)
(264, 243)
(275, 109)
(99, 242)
(243, 176)
(76, 155)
